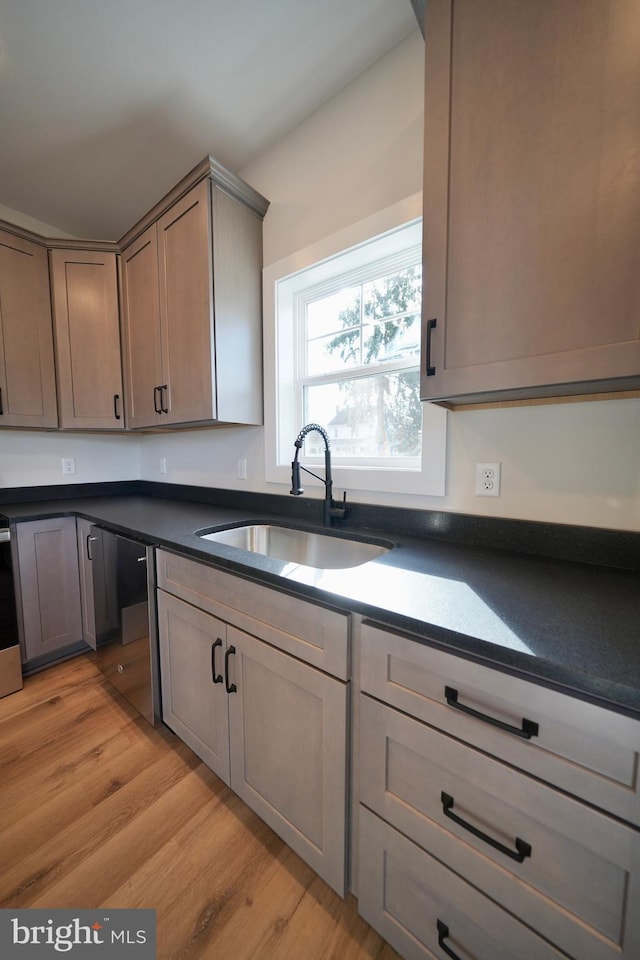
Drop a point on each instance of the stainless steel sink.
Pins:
(317, 550)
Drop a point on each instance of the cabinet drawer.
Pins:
(406, 895)
(586, 750)
(419, 780)
(306, 630)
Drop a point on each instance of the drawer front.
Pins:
(494, 825)
(413, 900)
(315, 634)
(585, 749)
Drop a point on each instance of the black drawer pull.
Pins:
(156, 399)
(116, 406)
(523, 849)
(216, 677)
(230, 687)
(1, 406)
(528, 729)
(431, 325)
(443, 933)
(163, 398)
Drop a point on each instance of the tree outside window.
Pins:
(362, 350)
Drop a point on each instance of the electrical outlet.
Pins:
(163, 464)
(68, 465)
(487, 480)
(242, 469)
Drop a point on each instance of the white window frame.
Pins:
(284, 282)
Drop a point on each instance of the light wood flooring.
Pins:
(97, 809)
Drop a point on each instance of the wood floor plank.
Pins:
(98, 809)
(30, 828)
(23, 882)
(43, 686)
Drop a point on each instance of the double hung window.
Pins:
(346, 345)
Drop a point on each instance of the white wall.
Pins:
(32, 458)
(361, 152)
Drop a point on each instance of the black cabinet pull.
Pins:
(216, 677)
(528, 729)
(230, 687)
(431, 325)
(116, 406)
(1, 406)
(523, 849)
(90, 540)
(163, 398)
(443, 933)
(156, 399)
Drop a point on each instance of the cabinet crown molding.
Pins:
(208, 167)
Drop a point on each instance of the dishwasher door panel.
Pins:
(126, 642)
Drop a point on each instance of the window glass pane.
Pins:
(378, 416)
(328, 354)
(393, 340)
(333, 313)
(396, 293)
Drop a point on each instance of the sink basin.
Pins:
(317, 550)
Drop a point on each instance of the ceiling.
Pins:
(105, 104)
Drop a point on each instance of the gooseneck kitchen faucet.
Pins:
(331, 509)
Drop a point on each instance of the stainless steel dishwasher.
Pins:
(123, 578)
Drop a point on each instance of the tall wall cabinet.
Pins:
(531, 198)
(192, 307)
(27, 375)
(84, 291)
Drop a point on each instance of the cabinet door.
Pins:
(186, 308)
(288, 726)
(531, 198)
(49, 585)
(27, 377)
(85, 564)
(99, 610)
(87, 331)
(141, 331)
(194, 698)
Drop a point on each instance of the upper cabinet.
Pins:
(27, 377)
(182, 290)
(84, 290)
(192, 307)
(531, 199)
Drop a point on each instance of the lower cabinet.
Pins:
(462, 850)
(49, 588)
(273, 727)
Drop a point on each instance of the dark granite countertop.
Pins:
(570, 625)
